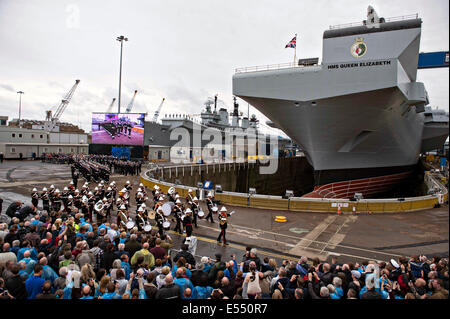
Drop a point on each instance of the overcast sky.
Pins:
(182, 50)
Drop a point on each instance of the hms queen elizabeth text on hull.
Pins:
(358, 115)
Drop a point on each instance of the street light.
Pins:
(120, 39)
(20, 103)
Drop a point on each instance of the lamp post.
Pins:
(20, 103)
(120, 39)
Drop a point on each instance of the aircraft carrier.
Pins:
(359, 114)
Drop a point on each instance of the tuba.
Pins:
(99, 207)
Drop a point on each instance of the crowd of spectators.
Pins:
(43, 258)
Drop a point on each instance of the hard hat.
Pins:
(140, 194)
(139, 189)
(128, 182)
(66, 188)
(96, 188)
(223, 209)
(118, 200)
(102, 181)
(195, 198)
(188, 210)
(52, 186)
(77, 191)
(109, 189)
(143, 205)
(56, 190)
(140, 209)
(189, 190)
(159, 209)
(70, 197)
(161, 198)
(123, 207)
(114, 182)
(111, 184)
(177, 196)
(71, 183)
(44, 189)
(34, 190)
(105, 199)
(124, 190)
(90, 193)
(209, 194)
(141, 185)
(178, 201)
(156, 187)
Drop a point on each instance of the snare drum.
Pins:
(166, 225)
(147, 228)
(130, 224)
(201, 214)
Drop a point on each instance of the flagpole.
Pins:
(295, 50)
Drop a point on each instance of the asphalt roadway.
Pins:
(351, 238)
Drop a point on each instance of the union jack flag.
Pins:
(292, 43)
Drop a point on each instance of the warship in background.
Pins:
(360, 114)
(230, 145)
(435, 130)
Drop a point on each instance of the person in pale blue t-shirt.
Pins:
(86, 293)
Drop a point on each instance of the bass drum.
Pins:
(166, 225)
(167, 209)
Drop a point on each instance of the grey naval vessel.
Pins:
(358, 115)
(435, 130)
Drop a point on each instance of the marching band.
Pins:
(98, 204)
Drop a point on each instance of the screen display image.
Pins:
(118, 128)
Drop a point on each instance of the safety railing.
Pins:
(270, 67)
(361, 23)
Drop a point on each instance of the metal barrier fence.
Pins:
(299, 204)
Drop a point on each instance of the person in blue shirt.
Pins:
(25, 247)
(141, 294)
(125, 266)
(182, 282)
(86, 292)
(34, 283)
(47, 272)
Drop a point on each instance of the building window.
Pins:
(20, 135)
(13, 134)
(13, 149)
(45, 149)
(41, 136)
(71, 150)
(59, 150)
(32, 135)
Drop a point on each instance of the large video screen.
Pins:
(118, 128)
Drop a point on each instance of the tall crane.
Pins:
(51, 120)
(130, 105)
(111, 105)
(155, 117)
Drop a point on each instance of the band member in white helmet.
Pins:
(45, 199)
(159, 218)
(189, 197)
(178, 211)
(195, 208)
(35, 197)
(210, 205)
(187, 221)
(223, 225)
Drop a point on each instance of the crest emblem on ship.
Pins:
(359, 48)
